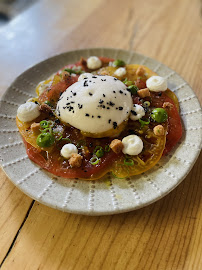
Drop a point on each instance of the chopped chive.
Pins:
(48, 103)
(107, 148)
(66, 139)
(98, 147)
(146, 104)
(143, 123)
(73, 71)
(44, 124)
(128, 162)
(100, 153)
(119, 63)
(133, 89)
(94, 160)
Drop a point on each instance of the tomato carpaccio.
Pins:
(54, 163)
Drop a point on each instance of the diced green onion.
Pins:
(44, 124)
(94, 160)
(45, 140)
(100, 153)
(73, 71)
(128, 162)
(58, 139)
(81, 143)
(126, 82)
(143, 123)
(119, 63)
(48, 103)
(107, 148)
(66, 139)
(146, 104)
(98, 147)
(133, 89)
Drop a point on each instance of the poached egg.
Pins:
(98, 105)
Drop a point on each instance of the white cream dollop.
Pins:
(133, 145)
(120, 72)
(137, 112)
(28, 111)
(68, 149)
(157, 84)
(93, 62)
(95, 104)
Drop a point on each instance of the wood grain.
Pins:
(164, 235)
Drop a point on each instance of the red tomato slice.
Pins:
(55, 166)
(55, 91)
(174, 132)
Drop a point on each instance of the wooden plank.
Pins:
(13, 208)
(165, 235)
(21, 46)
(160, 236)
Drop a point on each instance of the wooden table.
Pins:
(165, 235)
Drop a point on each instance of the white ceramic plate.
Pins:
(108, 195)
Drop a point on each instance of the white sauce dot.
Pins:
(133, 145)
(93, 62)
(120, 72)
(157, 84)
(68, 149)
(28, 111)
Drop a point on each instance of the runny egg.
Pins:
(97, 105)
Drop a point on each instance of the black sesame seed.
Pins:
(72, 101)
(92, 116)
(108, 108)
(114, 92)
(90, 94)
(103, 80)
(115, 79)
(101, 101)
(104, 95)
(94, 77)
(111, 103)
(121, 92)
(85, 83)
(74, 94)
(109, 121)
(80, 106)
(114, 125)
(133, 113)
(87, 114)
(120, 108)
(103, 106)
(98, 116)
(57, 121)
